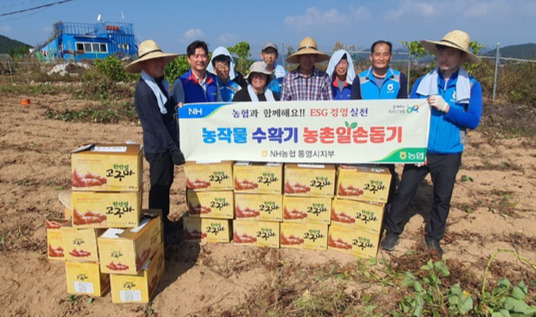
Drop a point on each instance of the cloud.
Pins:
(412, 8)
(316, 17)
(361, 13)
(228, 38)
(6, 29)
(193, 34)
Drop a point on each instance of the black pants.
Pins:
(443, 170)
(393, 184)
(161, 176)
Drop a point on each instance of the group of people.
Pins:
(455, 99)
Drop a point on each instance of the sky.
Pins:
(173, 24)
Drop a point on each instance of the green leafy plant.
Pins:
(505, 299)
(111, 67)
(428, 297)
(176, 68)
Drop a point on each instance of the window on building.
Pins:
(92, 47)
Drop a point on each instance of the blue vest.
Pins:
(388, 90)
(337, 93)
(193, 92)
(445, 137)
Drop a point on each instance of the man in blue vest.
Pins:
(455, 99)
(196, 85)
(381, 82)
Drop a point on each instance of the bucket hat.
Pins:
(148, 50)
(307, 46)
(456, 39)
(258, 67)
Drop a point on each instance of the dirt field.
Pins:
(493, 207)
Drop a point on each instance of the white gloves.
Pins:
(438, 102)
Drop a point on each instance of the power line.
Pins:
(35, 8)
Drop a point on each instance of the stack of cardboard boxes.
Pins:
(310, 206)
(210, 199)
(258, 203)
(358, 207)
(110, 240)
(309, 189)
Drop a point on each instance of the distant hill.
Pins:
(524, 51)
(8, 45)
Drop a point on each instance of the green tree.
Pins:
(241, 50)
(415, 49)
(176, 68)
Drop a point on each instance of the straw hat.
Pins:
(258, 67)
(146, 51)
(307, 46)
(456, 39)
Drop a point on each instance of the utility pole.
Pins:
(496, 70)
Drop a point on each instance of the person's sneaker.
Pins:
(389, 242)
(433, 246)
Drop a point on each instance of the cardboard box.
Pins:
(206, 229)
(202, 176)
(265, 178)
(210, 204)
(55, 247)
(259, 207)
(106, 209)
(363, 182)
(107, 167)
(80, 245)
(125, 251)
(304, 235)
(86, 278)
(363, 215)
(353, 240)
(141, 287)
(309, 179)
(307, 209)
(256, 233)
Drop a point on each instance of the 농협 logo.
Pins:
(403, 155)
(390, 87)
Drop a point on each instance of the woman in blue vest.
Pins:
(341, 71)
(455, 99)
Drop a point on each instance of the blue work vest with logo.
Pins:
(388, 90)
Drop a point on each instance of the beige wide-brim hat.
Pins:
(307, 46)
(456, 39)
(258, 67)
(146, 51)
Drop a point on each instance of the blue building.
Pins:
(77, 41)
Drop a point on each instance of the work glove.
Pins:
(178, 158)
(438, 102)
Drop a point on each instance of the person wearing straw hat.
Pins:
(157, 114)
(342, 73)
(455, 99)
(256, 90)
(306, 82)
